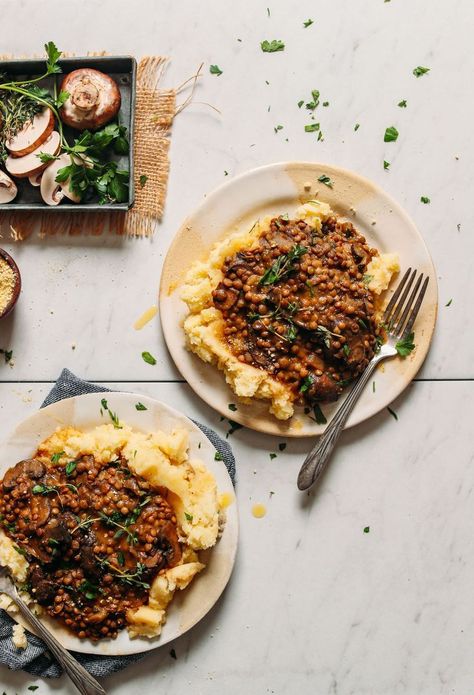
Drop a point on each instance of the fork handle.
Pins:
(82, 679)
(317, 459)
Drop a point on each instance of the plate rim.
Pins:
(285, 167)
(141, 644)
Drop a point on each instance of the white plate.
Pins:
(273, 190)
(83, 412)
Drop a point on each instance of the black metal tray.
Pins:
(123, 70)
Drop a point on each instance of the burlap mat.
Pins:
(154, 112)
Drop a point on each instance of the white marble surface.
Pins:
(315, 605)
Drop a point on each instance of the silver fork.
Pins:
(84, 682)
(399, 317)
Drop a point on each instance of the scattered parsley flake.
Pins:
(373, 387)
(300, 103)
(386, 165)
(272, 456)
(172, 651)
(8, 354)
(272, 46)
(268, 11)
(234, 426)
(424, 199)
(308, 23)
(218, 456)
(232, 407)
(319, 416)
(391, 134)
(367, 528)
(405, 345)
(140, 406)
(357, 126)
(215, 70)
(55, 457)
(402, 104)
(148, 358)
(311, 127)
(325, 103)
(282, 446)
(326, 180)
(33, 687)
(142, 180)
(189, 517)
(449, 303)
(392, 413)
(70, 467)
(420, 70)
(277, 128)
(226, 173)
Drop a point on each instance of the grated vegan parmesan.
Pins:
(7, 284)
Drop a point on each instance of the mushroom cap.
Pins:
(8, 189)
(30, 164)
(53, 192)
(94, 99)
(32, 135)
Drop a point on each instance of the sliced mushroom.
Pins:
(35, 180)
(94, 99)
(40, 510)
(53, 192)
(32, 135)
(24, 167)
(8, 190)
(31, 468)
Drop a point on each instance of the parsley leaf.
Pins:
(357, 126)
(282, 446)
(55, 457)
(272, 46)
(402, 104)
(61, 99)
(449, 303)
(218, 456)
(367, 528)
(232, 407)
(140, 406)
(326, 180)
(308, 23)
(215, 70)
(386, 165)
(283, 265)
(8, 354)
(189, 517)
(420, 70)
(53, 57)
(300, 103)
(277, 128)
(148, 358)
(311, 127)
(392, 413)
(405, 345)
(425, 200)
(319, 416)
(142, 180)
(306, 383)
(391, 134)
(272, 456)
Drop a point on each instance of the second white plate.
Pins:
(277, 189)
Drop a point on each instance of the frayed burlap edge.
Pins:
(154, 113)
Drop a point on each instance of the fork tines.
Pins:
(400, 314)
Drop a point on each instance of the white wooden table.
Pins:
(315, 605)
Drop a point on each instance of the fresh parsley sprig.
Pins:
(283, 265)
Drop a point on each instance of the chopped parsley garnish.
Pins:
(300, 103)
(326, 180)
(311, 105)
(8, 354)
(420, 70)
(424, 199)
(311, 127)
(142, 180)
(140, 406)
(33, 688)
(367, 528)
(367, 279)
(272, 456)
(113, 416)
(391, 134)
(70, 467)
(449, 303)
(42, 489)
(402, 104)
(319, 416)
(232, 407)
(346, 350)
(234, 426)
(306, 383)
(405, 345)
(357, 126)
(392, 413)
(325, 103)
(173, 654)
(55, 457)
(373, 387)
(218, 456)
(272, 46)
(277, 128)
(282, 446)
(283, 265)
(148, 358)
(386, 165)
(308, 23)
(121, 558)
(215, 70)
(189, 517)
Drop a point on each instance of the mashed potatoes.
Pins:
(162, 459)
(204, 324)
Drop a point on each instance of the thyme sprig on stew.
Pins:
(283, 265)
(133, 578)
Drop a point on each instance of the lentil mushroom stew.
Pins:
(95, 536)
(297, 305)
